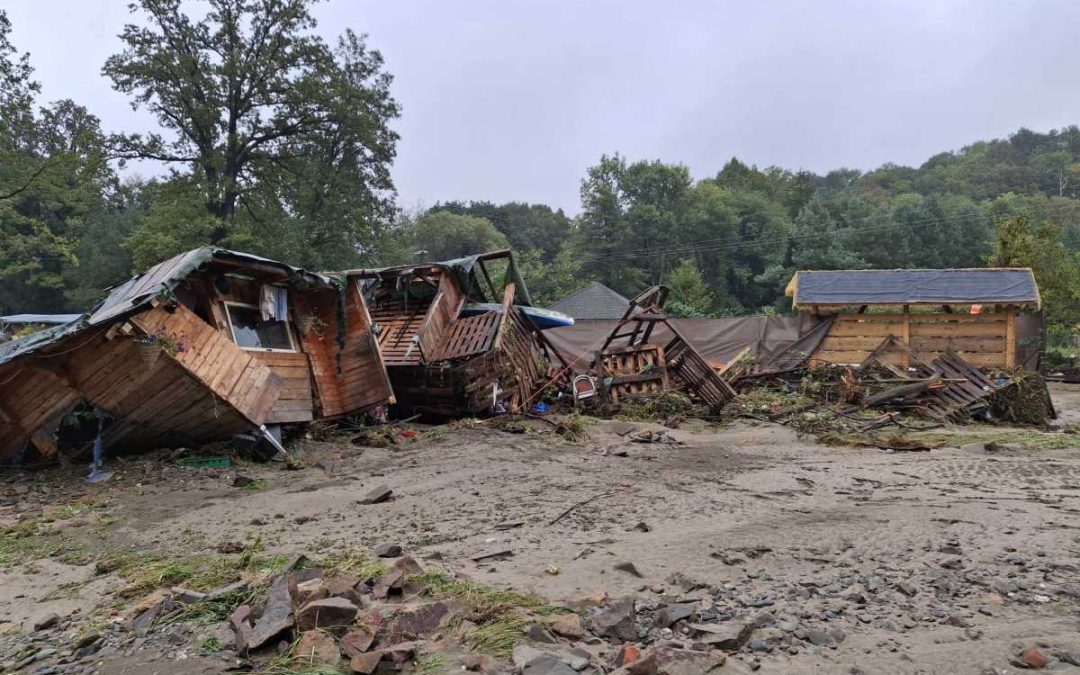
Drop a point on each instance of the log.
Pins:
(902, 391)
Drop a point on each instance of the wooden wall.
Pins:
(983, 340)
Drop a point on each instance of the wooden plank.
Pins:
(1010, 339)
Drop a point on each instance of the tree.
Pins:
(551, 281)
(442, 235)
(526, 226)
(1020, 243)
(688, 288)
(53, 177)
(247, 90)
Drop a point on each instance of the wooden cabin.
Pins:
(453, 340)
(990, 317)
(200, 347)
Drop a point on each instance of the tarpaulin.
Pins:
(777, 342)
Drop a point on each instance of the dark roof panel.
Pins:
(595, 301)
(914, 287)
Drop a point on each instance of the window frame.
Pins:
(232, 332)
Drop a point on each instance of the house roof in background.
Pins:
(1005, 286)
(595, 301)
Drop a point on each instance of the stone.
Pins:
(277, 616)
(418, 622)
(312, 589)
(642, 527)
(400, 653)
(240, 480)
(547, 665)
(142, 623)
(1033, 658)
(672, 614)
(626, 655)
(326, 613)
(356, 642)
(645, 666)
(365, 664)
(316, 648)
(568, 626)
(524, 653)
(673, 660)
(617, 622)
(377, 495)
(907, 589)
(538, 633)
(629, 568)
(47, 621)
(729, 636)
(187, 596)
(86, 639)
(388, 550)
(819, 637)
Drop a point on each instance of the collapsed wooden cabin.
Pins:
(453, 341)
(200, 347)
(988, 316)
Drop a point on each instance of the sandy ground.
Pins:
(978, 552)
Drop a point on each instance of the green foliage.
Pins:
(1021, 243)
(442, 235)
(275, 124)
(688, 290)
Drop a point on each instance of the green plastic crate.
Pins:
(207, 462)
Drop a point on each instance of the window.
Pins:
(251, 332)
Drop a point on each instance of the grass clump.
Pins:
(484, 601)
(30, 540)
(497, 637)
(349, 562)
(658, 407)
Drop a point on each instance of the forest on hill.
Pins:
(281, 144)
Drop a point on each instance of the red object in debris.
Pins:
(628, 653)
(1033, 658)
(408, 433)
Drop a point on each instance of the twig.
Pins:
(583, 502)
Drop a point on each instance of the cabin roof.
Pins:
(595, 301)
(161, 279)
(51, 319)
(1003, 286)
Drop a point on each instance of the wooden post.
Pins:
(1010, 338)
(508, 302)
(906, 337)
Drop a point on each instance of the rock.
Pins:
(642, 527)
(509, 524)
(400, 653)
(387, 550)
(365, 664)
(418, 622)
(377, 495)
(187, 596)
(472, 662)
(310, 590)
(142, 623)
(819, 637)
(277, 616)
(1033, 658)
(343, 586)
(675, 661)
(221, 591)
(325, 613)
(907, 589)
(316, 648)
(538, 633)
(86, 639)
(673, 614)
(357, 641)
(523, 653)
(626, 655)
(645, 666)
(547, 665)
(684, 582)
(568, 626)
(617, 622)
(240, 480)
(47, 621)
(629, 568)
(729, 636)
(240, 620)
(1004, 586)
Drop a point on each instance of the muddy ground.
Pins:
(952, 560)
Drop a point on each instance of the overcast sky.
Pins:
(512, 100)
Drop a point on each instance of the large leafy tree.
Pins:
(249, 99)
(441, 235)
(53, 177)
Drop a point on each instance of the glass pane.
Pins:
(251, 331)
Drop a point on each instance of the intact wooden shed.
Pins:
(454, 340)
(202, 346)
(989, 316)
